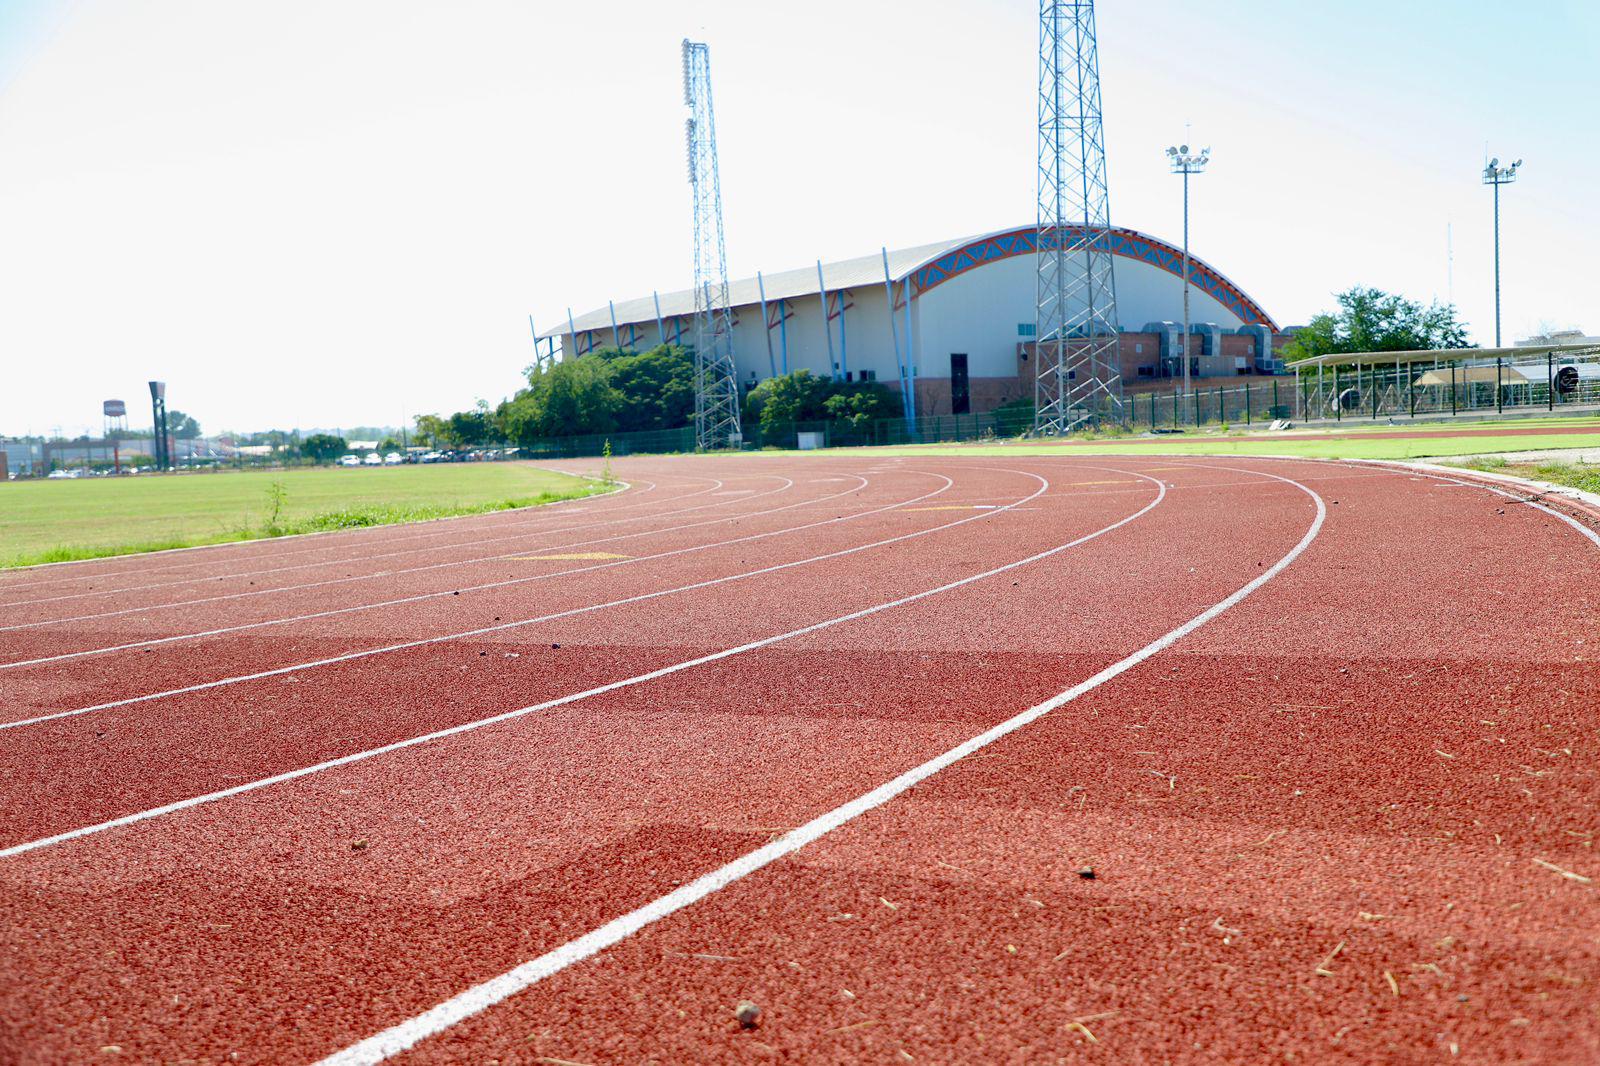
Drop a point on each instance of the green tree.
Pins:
(432, 431)
(657, 387)
(857, 407)
(798, 396)
(569, 398)
(1371, 320)
(323, 447)
(801, 396)
(182, 426)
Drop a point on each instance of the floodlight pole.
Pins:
(1496, 175)
(1186, 164)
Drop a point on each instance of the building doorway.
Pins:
(960, 389)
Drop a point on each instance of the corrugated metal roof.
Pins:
(787, 284)
(1448, 355)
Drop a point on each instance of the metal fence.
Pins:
(1416, 389)
(1367, 393)
(787, 435)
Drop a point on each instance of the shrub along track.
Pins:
(1348, 814)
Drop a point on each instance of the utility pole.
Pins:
(1186, 164)
(1496, 175)
(716, 384)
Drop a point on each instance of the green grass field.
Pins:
(52, 521)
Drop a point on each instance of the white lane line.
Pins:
(355, 538)
(1472, 483)
(467, 727)
(172, 604)
(408, 599)
(480, 997)
(358, 559)
(501, 535)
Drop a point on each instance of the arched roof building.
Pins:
(969, 321)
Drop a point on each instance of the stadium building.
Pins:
(970, 320)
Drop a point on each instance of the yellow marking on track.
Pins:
(1071, 484)
(954, 507)
(575, 556)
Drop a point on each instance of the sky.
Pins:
(340, 212)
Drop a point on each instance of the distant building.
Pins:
(971, 320)
(1558, 336)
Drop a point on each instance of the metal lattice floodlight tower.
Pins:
(1497, 175)
(1186, 164)
(716, 386)
(1077, 376)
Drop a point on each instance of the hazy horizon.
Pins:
(320, 214)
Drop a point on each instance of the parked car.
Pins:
(393, 459)
(349, 460)
(373, 459)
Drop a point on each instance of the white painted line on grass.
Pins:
(475, 1000)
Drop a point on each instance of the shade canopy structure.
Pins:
(1483, 375)
(1521, 353)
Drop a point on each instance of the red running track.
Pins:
(839, 741)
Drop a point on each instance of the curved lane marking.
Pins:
(428, 595)
(623, 490)
(475, 1000)
(379, 555)
(467, 727)
(443, 638)
(407, 570)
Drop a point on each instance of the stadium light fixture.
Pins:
(1496, 175)
(1186, 164)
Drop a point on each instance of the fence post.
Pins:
(1499, 389)
(1247, 405)
(1550, 380)
(1197, 408)
(1338, 396)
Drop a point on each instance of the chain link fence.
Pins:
(1368, 393)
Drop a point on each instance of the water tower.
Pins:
(116, 419)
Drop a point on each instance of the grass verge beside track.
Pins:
(1585, 476)
(91, 518)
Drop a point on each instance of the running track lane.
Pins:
(318, 639)
(936, 653)
(1331, 826)
(334, 563)
(86, 768)
(117, 629)
(234, 555)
